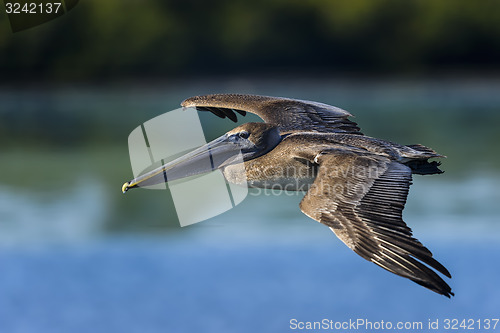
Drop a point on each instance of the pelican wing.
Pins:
(361, 198)
(288, 114)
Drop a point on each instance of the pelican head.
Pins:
(261, 137)
(251, 140)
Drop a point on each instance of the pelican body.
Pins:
(354, 184)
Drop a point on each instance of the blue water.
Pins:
(215, 282)
(252, 269)
(78, 256)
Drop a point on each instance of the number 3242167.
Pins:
(32, 8)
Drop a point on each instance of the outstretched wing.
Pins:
(361, 198)
(288, 114)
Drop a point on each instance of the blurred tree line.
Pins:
(116, 39)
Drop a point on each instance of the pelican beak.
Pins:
(216, 154)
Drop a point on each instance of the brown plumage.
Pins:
(356, 185)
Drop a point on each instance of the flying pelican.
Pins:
(356, 185)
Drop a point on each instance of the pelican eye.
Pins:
(244, 134)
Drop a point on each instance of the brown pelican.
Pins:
(356, 185)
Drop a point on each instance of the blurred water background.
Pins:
(76, 255)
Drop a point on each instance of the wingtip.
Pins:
(187, 103)
(447, 293)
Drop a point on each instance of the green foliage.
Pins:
(115, 39)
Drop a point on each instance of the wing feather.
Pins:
(288, 114)
(364, 209)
